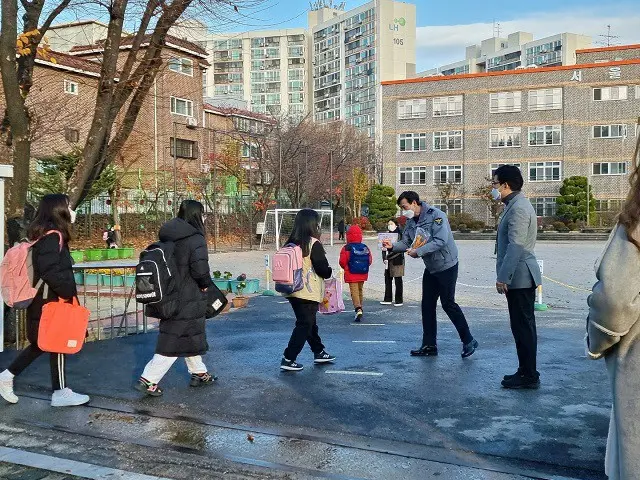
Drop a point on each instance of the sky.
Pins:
(445, 28)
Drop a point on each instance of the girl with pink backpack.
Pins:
(306, 300)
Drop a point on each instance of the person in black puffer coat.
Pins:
(184, 335)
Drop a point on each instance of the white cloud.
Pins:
(439, 45)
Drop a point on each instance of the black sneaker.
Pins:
(199, 379)
(469, 348)
(148, 388)
(290, 366)
(518, 372)
(323, 357)
(358, 316)
(522, 382)
(425, 351)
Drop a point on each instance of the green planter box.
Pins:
(112, 280)
(126, 252)
(111, 254)
(79, 278)
(253, 285)
(93, 255)
(91, 279)
(222, 284)
(129, 280)
(78, 256)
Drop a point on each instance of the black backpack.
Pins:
(156, 281)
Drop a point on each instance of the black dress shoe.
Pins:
(425, 351)
(518, 372)
(469, 348)
(522, 382)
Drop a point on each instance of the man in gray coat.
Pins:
(518, 273)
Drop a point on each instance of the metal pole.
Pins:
(588, 195)
(215, 195)
(331, 180)
(279, 172)
(6, 171)
(175, 166)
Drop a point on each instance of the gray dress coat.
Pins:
(613, 332)
(517, 232)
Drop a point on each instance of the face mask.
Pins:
(408, 213)
(391, 227)
(495, 194)
(72, 213)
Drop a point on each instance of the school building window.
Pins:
(545, 171)
(544, 206)
(183, 148)
(505, 102)
(609, 168)
(451, 140)
(545, 135)
(447, 174)
(413, 175)
(412, 142)
(505, 137)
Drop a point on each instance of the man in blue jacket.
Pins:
(439, 252)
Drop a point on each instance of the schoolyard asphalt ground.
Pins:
(376, 413)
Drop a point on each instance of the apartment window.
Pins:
(71, 135)
(412, 108)
(545, 171)
(454, 207)
(250, 151)
(610, 168)
(71, 87)
(296, 98)
(181, 65)
(413, 175)
(544, 206)
(505, 137)
(545, 99)
(504, 102)
(180, 106)
(451, 140)
(447, 174)
(496, 166)
(447, 106)
(609, 131)
(610, 93)
(412, 142)
(183, 148)
(545, 135)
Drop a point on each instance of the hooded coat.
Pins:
(354, 235)
(184, 335)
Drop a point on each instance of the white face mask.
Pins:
(408, 213)
(391, 227)
(495, 194)
(72, 213)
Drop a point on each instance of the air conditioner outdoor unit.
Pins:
(192, 122)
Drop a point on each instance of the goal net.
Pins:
(278, 225)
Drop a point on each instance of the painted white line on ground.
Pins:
(351, 372)
(286, 301)
(368, 324)
(373, 341)
(69, 467)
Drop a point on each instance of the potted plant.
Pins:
(91, 277)
(112, 278)
(77, 256)
(93, 254)
(78, 276)
(242, 278)
(220, 282)
(130, 278)
(126, 252)
(240, 301)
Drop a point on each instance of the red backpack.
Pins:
(16, 274)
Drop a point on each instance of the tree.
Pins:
(382, 205)
(448, 192)
(494, 206)
(572, 202)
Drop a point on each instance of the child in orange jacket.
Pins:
(355, 259)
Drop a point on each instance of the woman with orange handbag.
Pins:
(52, 263)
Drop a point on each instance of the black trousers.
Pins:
(306, 329)
(340, 235)
(523, 326)
(442, 285)
(29, 354)
(388, 287)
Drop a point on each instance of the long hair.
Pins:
(630, 215)
(191, 211)
(52, 214)
(305, 227)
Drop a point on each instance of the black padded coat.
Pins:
(184, 335)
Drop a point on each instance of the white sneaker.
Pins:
(68, 398)
(6, 391)
(385, 303)
(398, 304)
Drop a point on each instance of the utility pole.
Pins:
(279, 169)
(331, 179)
(175, 166)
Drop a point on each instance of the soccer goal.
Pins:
(278, 225)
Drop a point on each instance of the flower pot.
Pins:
(93, 255)
(240, 302)
(78, 256)
(222, 284)
(112, 280)
(91, 279)
(126, 252)
(129, 280)
(79, 278)
(112, 254)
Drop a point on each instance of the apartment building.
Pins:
(517, 50)
(352, 52)
(551, 122)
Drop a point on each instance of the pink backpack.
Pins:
(16, 275)
(287, 269)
